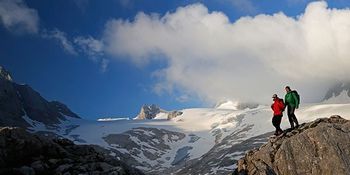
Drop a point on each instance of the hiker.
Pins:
(277, 107)
(291, 100)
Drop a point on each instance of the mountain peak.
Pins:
(318, 147)
(148, 112)
(339, 93)
(5, 74)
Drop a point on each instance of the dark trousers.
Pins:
(276, 122)
(291, 116)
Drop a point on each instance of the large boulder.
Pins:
(318, 147)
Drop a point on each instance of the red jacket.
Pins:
(277, 106)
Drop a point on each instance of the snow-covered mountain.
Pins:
(213, 137)
(188, 141)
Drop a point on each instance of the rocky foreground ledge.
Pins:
(28, 154)
(318, 147)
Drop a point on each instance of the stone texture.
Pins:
(318, 147)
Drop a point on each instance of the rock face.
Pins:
(18, 101)
(25, 153)
(319, 147)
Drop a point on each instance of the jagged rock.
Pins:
(36, 154)
(318, 147)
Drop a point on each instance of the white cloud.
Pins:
(61, 38)
(248, 60)
(89, 45)
(16, 16)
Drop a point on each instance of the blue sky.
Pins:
(92, 82)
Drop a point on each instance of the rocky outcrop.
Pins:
(174, 114)
(318, 147)
(148, 112)
(151, 111)
(17, 101)
(25, 153)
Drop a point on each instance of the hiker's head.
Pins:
(287, 88)
(274, 96)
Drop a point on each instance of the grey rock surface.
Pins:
(318, 147)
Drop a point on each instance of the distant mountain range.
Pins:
(156, 141)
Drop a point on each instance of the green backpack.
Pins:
(297, 95)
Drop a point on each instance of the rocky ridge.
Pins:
(318, 147)
(29, 154)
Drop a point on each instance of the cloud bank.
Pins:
(210, 57)
(247, 60)
(16, 16)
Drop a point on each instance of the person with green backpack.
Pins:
(292, 100)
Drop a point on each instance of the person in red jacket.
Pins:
(277, 108)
